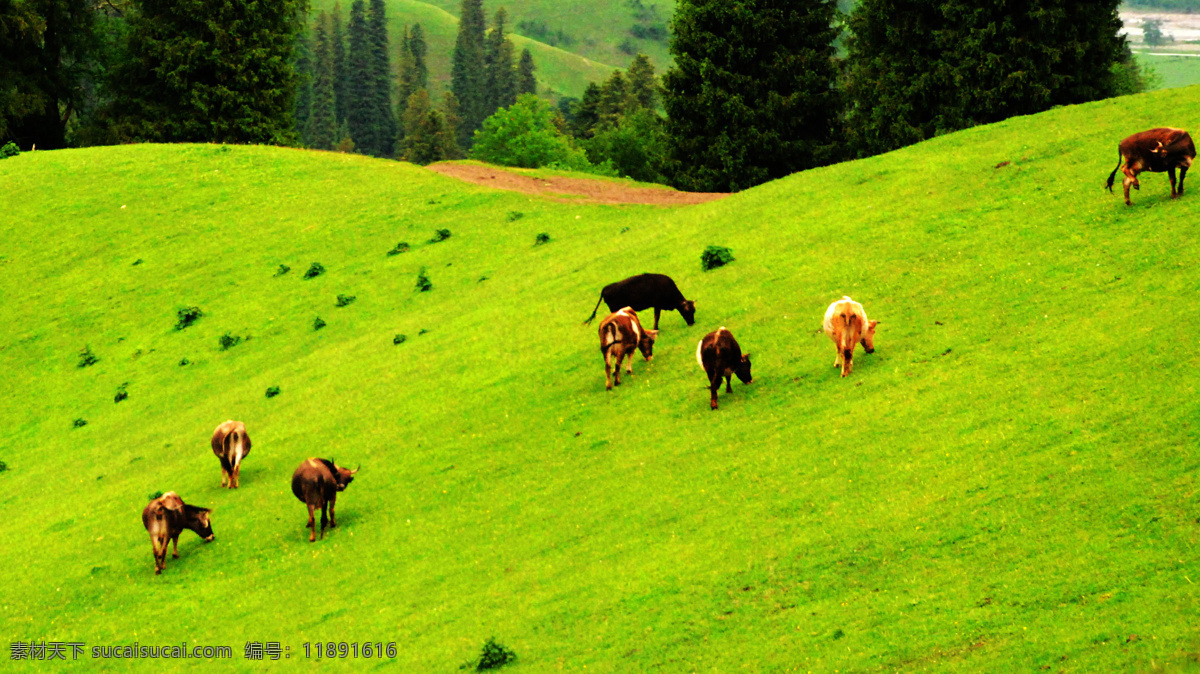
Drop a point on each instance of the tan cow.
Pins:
(166, 517)
(316, 483)
(231, 444)
(846, 324)
(620, 333)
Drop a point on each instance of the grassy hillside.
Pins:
(1008, 484)
(559, 72)
(1176, 71)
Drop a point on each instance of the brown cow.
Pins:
(1156, 150)
(231, 444)
(317, 482)
(620, 333)
(720, 356)
(166, 517)
(846, 324)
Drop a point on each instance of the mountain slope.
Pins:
(1008, 483)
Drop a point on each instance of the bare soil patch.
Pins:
(579, 190)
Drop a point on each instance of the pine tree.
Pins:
(204, 72)
(501, 75)
(750, 97)
(338, 54)
(615, 101)
(303, 64)
(526, 82)
(321, 132)
(427, 138)
(467, 76)
(450, 113)
(642, 82)
(586, 112)
(381, 82)
(360, 103)
(418, 48)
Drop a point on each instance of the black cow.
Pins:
(721, 357)
(1156, 150)
(644, 291)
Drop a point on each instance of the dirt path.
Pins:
(580, 190)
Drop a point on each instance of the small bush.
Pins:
(121, 393)
(401, 247)
(344, 300)
(440, 235)
(10, 149)
(272, 391)
(715, 256)
(137, 262)
(229, 341)
(183, 362)
(283, 269)
(186, 316)
(86, 357)
(79, 423)
(494, 656)
(318, 323)
(513, 216)
(157, 494)
(399, 339)
(423, 282)
(422, 332)
(314, 270)
(541, 239)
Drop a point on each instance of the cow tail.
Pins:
(593, 316)
(610, 337)
(1112, 176)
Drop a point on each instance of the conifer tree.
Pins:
(321, 131)
(303, 65)
(453, 119)
(360, 90)
(412, 74)
(338, 54)
(501, 75)
(526, 82)
(418, 48)
(586, 112)
(427, 138)
(615, 101)
(381, 82)
(643, 85)
(750, 97)
(467, 76)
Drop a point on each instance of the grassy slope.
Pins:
(559, 72)
(1176, 71)
(1008, 483)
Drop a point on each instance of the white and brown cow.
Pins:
(847, 325)
(166, 517)
(231, 444)
(620, 333)
(721, 357)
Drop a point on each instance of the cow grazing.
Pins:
(317, 482)
(1156, 150)
(720, 357)
(620, 333)
(644, 291)
(231, 444)
(846, 324)
(166, 517)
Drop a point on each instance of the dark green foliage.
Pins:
(422, 331)
(345, 300)
(78, 423)
(401, 247)
(526, 80)
(183, 362)
(304, 66)
(196, 71)
(283, 269)
(423, 282)
(10, 149)
(715, 256)
(321, 130)
(467, 74)
(526, 134)
(1152, 33)
(643, 85)
(122, 394)
(542, 238)
(615, 101)
(494, 655)
(428, 134)
(86, 357)
(314, 270)
(272, 391)
(228, 341)
(337, 45)
(318, 323)
(542, 33)
(500, 75)
(360, 111)
(399, 339)
(750, 97)
(136, 262)
(185, 316)
(413, 75)
(586, 112)
(919, 68)
(381, 82)
(157, 494)
(513, 216)
(636, 148)
(440, 235)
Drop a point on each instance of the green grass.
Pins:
(1176, 71)
(559, 72)
(1009, 483)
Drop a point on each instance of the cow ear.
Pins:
(745, 357)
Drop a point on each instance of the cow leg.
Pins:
(847, 362)
(837, 361)
(728, 383)
(312, 524)
(629, 361)
(1171, 175)
(224, 476)
(1182, 174)
(617, 357)
(233, 479)
(714, 385)
(1130, 179)
(657, 311)
(608, 374)
(332, 519)
(324, 518)
(175, 552)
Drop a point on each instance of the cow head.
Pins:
(1159, 149)
(743, 370)
(646, 343)
(687, 309)
(198, 521)
(344, 477)
(868, 338)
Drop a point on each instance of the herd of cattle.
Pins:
(316, 482)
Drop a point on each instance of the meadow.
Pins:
(1176, 71)
(1008, 484)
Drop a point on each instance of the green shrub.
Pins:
(157, 494)
(318, 323)
(79, 423)
(121, 393)
(229, 341)
(401, 247)
(283, 269)
(10, 149)
(423, 282)
(715, 256)
(513, 216)
(525, 134)
(399, 339)
(440, 235)
(541, 239)
(186, 316)
(344, 300)
(494, 655)
(183, 362)
(86, 357)
(272, 391)
(314, 270)
(637, 148)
